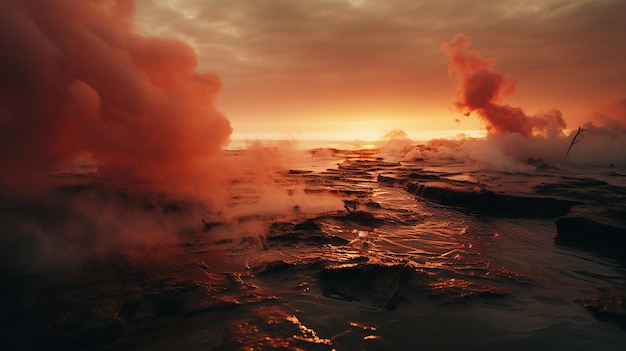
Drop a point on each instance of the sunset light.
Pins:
(312, 175)
(287, 62)
(365, 135)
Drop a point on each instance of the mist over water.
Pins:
(341, 250)
(128, 217)
(98, 124)
(78, 81)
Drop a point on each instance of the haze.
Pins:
(360, 68)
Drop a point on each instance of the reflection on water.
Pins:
(387, 271)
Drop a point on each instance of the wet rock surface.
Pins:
(589, 213)
(381, 285)
(430, 245)
(600, 224)
(591, 233)
(490, 203)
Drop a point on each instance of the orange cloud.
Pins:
(76, 79)
(481, 88)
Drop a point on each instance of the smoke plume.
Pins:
(517, 141)
(77, 81)
(79, 87)
(481, 88)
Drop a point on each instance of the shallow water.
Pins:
(387, 271)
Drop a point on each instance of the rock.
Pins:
(490, 203)
(592, 234)
(380, 285)
(305, 233)
(308, 225)
(387, 180)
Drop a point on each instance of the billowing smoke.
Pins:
(110, 141)
(517, 141)
(77, 82)
(78, 87)
(604, 139)
(610, 116)
(481, 88)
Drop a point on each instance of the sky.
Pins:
(145, 95)
(152, 89)
(359, 68)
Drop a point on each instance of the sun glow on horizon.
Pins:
(358, 139)
(360, 135)
(354, 129)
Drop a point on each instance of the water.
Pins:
(389, 271)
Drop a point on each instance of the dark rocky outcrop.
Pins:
(380, 285)
(605, 237)
(490, 203)
(305, 233)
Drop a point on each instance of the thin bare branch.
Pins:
(575, 140)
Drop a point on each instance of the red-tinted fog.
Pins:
(76, 80)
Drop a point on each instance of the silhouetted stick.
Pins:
(574, 141)
(348, 202)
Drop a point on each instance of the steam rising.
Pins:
(78, 87)
(77, 81)
(481, 88)
(517, 141)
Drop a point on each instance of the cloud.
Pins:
(481, 88)
(380, 56)
(77, 80)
